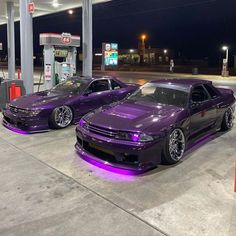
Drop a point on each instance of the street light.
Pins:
(142, 48)
(226, 48)
(225, 71)
(143, 38)
(165, 51)
(70, 12)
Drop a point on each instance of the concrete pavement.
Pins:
(37, 199)
(47, 189)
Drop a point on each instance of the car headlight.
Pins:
(145, 138)
(34, 112)
(83, 123)
(135, 137)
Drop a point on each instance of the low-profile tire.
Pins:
(174, 148)
(228, 119)
(61, 117)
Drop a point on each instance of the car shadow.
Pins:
(188, 153)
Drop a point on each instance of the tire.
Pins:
(175, 147)
(61, 117)
(228, 119)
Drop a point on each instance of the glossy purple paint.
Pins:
(22, 112)
(154, 120)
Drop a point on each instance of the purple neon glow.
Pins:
(108, 167)
(82, 122)
(17, 130)
(135, 137)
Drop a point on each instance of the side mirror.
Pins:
(88, 92)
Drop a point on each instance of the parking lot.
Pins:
(47, 189)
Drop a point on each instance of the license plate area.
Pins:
(94, 146)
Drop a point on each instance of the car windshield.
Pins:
(163, 94)
(72, 86)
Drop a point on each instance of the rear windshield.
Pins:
(157, 93)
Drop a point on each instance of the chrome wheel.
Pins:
(176, 144)
(63, 116)
(229, 117)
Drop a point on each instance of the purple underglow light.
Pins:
(135, 137)
(205, 139)
(108, 167)
(17, 130)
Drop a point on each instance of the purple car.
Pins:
(155, 124)
(64, 104)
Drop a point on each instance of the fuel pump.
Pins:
(60, 53)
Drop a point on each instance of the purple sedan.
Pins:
(155, 124)
(64, 104)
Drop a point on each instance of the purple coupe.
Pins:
(64, 104)
(155, 124)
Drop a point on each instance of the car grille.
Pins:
(102, 131)
(17, 110)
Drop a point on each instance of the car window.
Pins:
(199, 94)
(99, 86)
(211, 90)
(71, 86)
(115, 85)
(155, 93)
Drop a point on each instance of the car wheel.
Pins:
(228, 119)
(175, 146)
(61, 117)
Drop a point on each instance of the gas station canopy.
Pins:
(42, 7)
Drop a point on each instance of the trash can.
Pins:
(195, 71)
(6, 91)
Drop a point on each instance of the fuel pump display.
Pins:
(60, 53)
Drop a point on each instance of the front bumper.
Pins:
(21, 124)
(118, 153)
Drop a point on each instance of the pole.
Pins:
(87, 38)
(26, 42)
(11, 40)
(227, 57)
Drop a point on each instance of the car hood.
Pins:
(39, 99)
(135, 116)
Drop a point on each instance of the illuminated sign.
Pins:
(31, 7)
(61, 53)
(110, 54)
(66, 38)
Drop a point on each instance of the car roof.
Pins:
(89, 78)
(184, 83)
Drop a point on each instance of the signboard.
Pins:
(31, 7)
(110, 54)
(66, 38)
(48, 72)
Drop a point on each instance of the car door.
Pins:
(202, 111)
(96, 95)
(119, 91)
(216, 100)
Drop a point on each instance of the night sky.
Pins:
(193, 28)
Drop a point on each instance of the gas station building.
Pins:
(24, 11)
